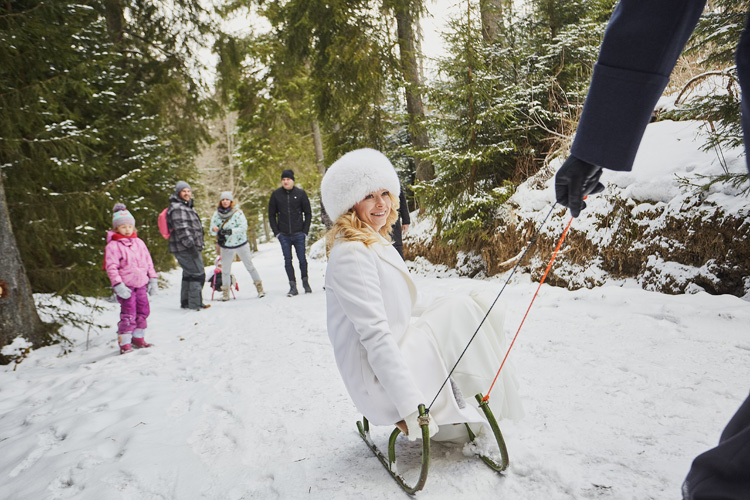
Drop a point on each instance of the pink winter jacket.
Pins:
(127, 261)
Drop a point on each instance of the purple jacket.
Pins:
(127, 261)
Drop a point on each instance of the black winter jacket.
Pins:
(289, 211)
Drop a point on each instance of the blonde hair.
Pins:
(349, 227)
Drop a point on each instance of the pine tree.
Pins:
(111, 117)
(505, 105)
(99, 105)
(315, 87)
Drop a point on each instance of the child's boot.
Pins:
(292, 289)
(259, 287)
(139, 340)
(124, 340)
(306, 285)
(224, 293)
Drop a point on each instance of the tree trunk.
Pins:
(414, 107)
(266, 226)
(18, 315)
(318, 142)
(115, 20)
(230, 124)
(492, 19)
(470, 79)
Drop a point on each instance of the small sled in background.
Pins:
(389, 462)
(215, 279)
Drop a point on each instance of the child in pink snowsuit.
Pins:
(131, 272)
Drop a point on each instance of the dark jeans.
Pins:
(397, 237)
(193, 276)
(134, 310)
(298, 241)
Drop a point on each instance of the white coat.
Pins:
(391, 362)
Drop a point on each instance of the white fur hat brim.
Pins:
(354, 176)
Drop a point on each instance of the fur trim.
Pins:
(354, 176)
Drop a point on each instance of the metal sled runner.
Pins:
(389, 462)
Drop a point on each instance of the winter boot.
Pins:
(259, 287)
(124, 340)
(292, 289)
(224, 293)
(306, 285)
(140, 343)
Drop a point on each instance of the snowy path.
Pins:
(622, 388)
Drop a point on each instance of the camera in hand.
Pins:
(222, 238)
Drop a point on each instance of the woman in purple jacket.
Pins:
(131, 272)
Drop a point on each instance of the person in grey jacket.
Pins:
(186, 243)
(290, 215)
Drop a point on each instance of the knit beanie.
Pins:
(180, 186)
(354, 176)
(226, 195)
(121, 216)
(288, 174)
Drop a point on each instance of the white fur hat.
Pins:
(354, 176)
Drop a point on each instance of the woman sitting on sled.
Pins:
(390, 360)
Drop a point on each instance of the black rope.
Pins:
(531, 243)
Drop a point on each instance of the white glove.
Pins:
(153, 286)
(415, 431)
(122, 291)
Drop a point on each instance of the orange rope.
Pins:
(546, 271)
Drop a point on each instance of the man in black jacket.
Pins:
(290, 215)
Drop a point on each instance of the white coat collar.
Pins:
(388, 254)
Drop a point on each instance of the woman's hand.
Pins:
(214, 229)
(413, 429)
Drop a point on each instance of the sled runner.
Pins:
(389, 462)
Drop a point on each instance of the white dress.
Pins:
(391, 361)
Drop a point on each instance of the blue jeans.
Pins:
(298, 241)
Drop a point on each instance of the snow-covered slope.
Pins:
(622, 388)
(661, 224)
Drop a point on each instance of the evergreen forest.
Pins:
(106, 101)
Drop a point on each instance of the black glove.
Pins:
(575, 180)
(225, 232)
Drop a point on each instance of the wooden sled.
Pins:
(389, 462)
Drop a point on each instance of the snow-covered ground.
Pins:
(622, 388)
